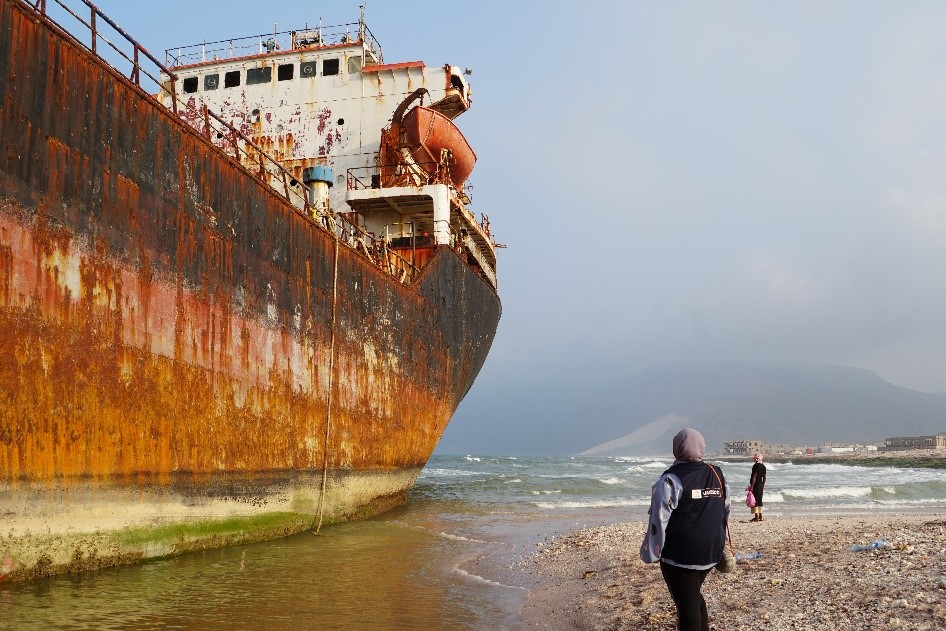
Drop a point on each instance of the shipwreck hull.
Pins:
(185, 357)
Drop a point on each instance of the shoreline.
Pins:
(808, 577)
(917, 458)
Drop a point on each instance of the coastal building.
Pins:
(836, 449)
(749, 447)
(742, 447)
(898, 443)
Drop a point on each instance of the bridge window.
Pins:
(259, 75)
(329, 67)
(308, 69)
(284, 72)
(231, 79)
(354, 65)
(211, 82)
(190, 85)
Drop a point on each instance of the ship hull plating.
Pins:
(187, 361)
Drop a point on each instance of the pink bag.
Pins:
(750, 499)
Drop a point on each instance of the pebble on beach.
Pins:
(807, 577)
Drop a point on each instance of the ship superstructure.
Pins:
(316, 100)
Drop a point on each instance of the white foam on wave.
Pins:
(600, 503)
(433, 473)
(648, 468)
(612, 481)
(485, 581)
(817, 493)
(514, 480)
(551, 492)
(929, 501)
(632, 459)
(473, 459)
(447, 535)
(655, 465)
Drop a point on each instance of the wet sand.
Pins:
(807, 577)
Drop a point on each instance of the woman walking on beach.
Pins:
(757, 485)
(686, 532)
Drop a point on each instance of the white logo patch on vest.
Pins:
(699, 494)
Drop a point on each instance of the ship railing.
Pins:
(237, 145)
(59, 11)
(404, 173)
(376, 248)
(413, 174)
(316, 36)
(234, 143)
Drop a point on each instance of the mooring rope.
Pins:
(331, 382)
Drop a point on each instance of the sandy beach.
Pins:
(808, 577)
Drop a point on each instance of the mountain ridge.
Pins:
(791, 403)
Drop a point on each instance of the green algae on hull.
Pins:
(92, 551)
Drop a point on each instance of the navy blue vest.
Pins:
(697, 527)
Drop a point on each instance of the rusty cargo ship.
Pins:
(237, 305)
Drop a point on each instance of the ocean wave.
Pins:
(928, 501)
(604, 482)
(612, 481)
(648, 468)
(473, 459)
(597, 503)
(818, 493)
(479, 579)
(446, 535)
(434, 473)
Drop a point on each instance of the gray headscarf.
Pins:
(688, 446)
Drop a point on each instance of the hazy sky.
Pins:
(744, 181)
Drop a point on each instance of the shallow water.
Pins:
(395, 573)
(410, 568)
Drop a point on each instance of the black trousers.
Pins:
(684, 586)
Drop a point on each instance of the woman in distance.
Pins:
(686, 532)
(757, 485)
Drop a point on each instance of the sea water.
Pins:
(413, 568)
